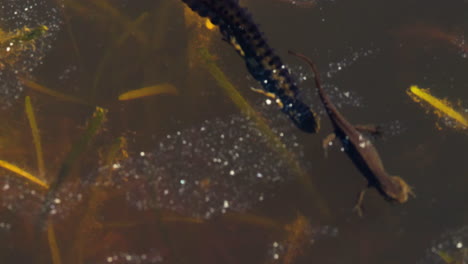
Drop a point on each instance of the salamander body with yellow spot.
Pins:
(238, 29)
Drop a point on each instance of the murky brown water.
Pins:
(202, 183)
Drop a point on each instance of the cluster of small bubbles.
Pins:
(67, 198)
(306, 3)
(335, 67)
(26, 199)
(67, 72)
(16, 14)
(206, 170)
(292, 246)
(132, 258)
(275, 251)
(447, 121)
(324, 232)
(452, 247)
(338, 96)
(461, 43)
(342, 98)
(20, 197)
(392, 128)
(5, 226)
(10, 87)
(22, 17)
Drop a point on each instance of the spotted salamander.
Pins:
(238, 28)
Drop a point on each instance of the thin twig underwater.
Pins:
(360, 149)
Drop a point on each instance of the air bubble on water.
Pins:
(16, 15)
(259, 169)
(26, 199)
(335, 67)
(134, 258)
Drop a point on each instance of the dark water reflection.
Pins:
(186, 194)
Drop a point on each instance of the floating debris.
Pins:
(13, 44)
(299, 234)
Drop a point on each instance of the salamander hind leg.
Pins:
(358, 207)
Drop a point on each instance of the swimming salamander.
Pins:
(238, 29)
(360, 150)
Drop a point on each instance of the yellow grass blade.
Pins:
(22, 173)
(36, 138)
(441, 107)
(54, 249)
(42, 89)
(165, 88)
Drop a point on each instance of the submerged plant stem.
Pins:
(36, 137)
(58, 95)
(54, 249)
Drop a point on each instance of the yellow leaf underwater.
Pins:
(441, 107)
(164, 88)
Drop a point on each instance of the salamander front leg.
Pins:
(328, 142)
(358, 207)
(269, 95)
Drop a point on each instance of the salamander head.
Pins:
(399, 190)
